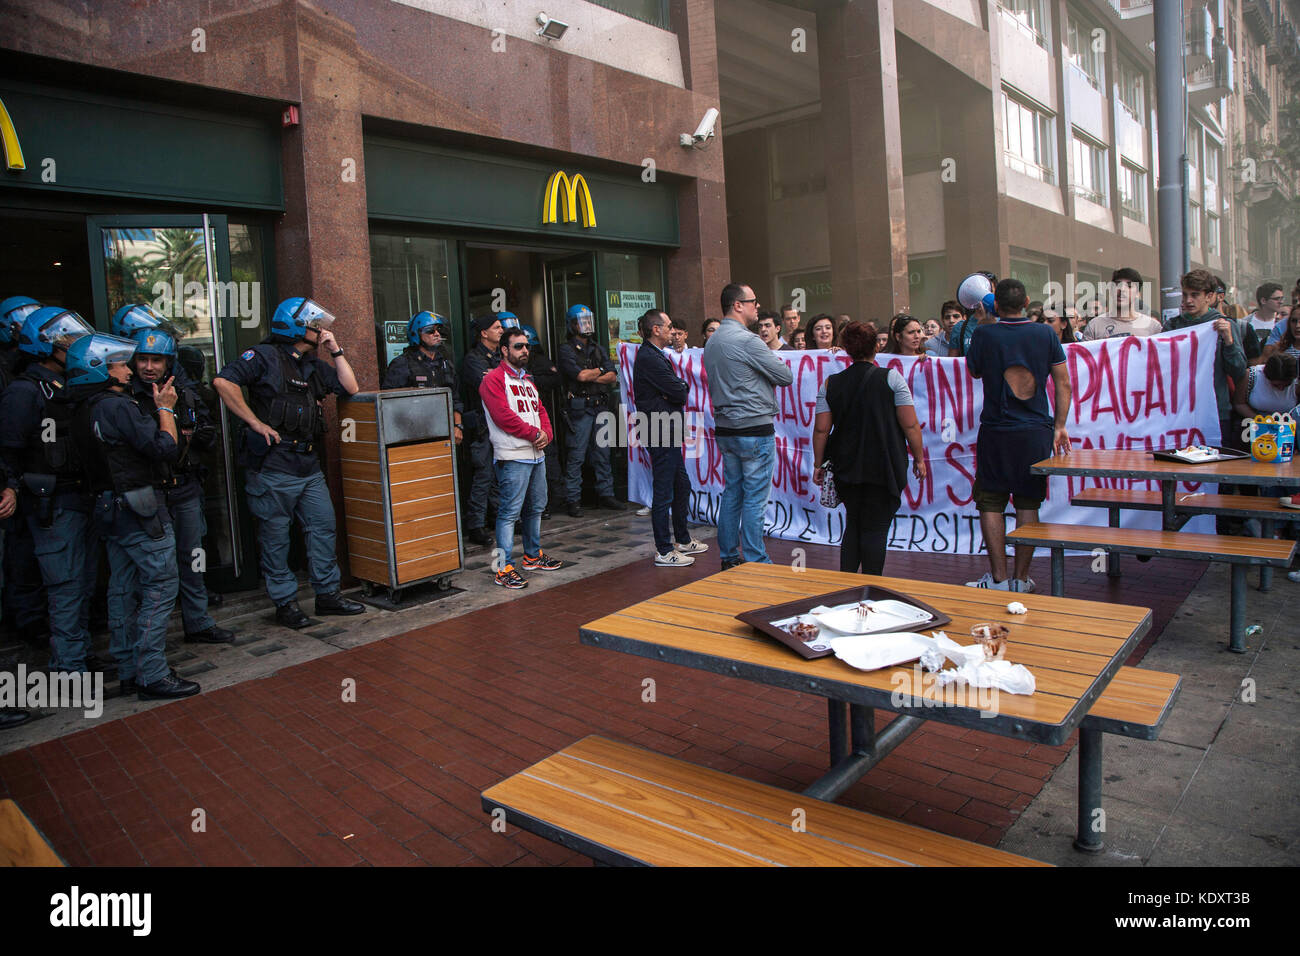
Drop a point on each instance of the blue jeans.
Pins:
(68, 554)
(522, 489)
(143, 572)
(582, 446)
(275, 498)
(747, 464)
(185, 505)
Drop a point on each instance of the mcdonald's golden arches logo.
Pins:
(575, 196)
(9, 138)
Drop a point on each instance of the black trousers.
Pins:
(672, 490)
(869, 511)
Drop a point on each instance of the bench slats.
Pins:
(1135, 703)
(1242, 506)
(624, 804)
(21, 844)
(1215, 547)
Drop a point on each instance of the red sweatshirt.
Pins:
(514, 413)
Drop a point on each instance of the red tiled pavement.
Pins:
(286, 772)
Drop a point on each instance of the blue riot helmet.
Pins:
(130, 319)
(294, 316)
(90, 356)
(508, 320)
(580, 320)
(425, 320)
(155, 342)
(13, 311)
(50, 327)
(533, 341)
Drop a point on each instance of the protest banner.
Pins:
(1145, 393)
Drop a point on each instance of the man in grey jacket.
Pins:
(743, 374)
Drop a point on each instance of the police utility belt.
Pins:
(143, 503)
(46, 489)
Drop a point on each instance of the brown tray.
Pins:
(1225, 454)
(761, 618)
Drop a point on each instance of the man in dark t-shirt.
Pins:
(1014, 357)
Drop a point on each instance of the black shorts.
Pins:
(1003, 458)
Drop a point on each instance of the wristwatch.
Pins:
(336, 354)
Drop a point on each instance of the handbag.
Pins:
(830, 496)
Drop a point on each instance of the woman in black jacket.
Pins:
(865, 417)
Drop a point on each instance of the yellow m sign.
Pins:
(9, 137)
(575, 196)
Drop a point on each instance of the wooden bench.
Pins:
(1265, 509)
(1135, 704)
(623, 805)
(21, 844)
(1237, 551)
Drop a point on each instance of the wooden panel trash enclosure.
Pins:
(399, 487)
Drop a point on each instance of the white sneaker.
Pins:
(1293, 576)
(643, 512)
(692, 547)
(1021, 585)
(673, 559)
(986, 581)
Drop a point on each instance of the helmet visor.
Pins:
(114, 349)
(509, 321)
(18, 314)
(64, 329)
(584, 323)
(314, 316)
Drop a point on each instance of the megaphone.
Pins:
(976, 289)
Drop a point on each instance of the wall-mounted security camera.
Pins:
(703, 133)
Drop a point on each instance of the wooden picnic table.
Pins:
(1073, 648)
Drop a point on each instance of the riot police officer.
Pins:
(287, 377)
(24, 595)
(484, 356)
(588, 373)
(125, 453)
(36, 441)
(424, 364)
(179, 485)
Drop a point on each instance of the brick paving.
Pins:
(283, 771)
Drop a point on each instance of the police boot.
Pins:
(289, 614)
(213, 635)
(13, 718)
(171, 686)
(337, 604)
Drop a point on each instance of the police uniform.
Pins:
(284, 480)
(584, 401)
(126, 454)
(55, 503)
(23, 593)
(180, 489)
(415, 369)
(547, 379)
(477, 363)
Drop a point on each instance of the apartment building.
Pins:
(914, 142)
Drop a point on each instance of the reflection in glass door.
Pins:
(174, 264)
(570, 281)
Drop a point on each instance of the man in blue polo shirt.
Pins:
(1014, 357)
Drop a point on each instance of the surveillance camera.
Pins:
(705, 129)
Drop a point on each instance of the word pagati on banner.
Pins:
(1130, 393)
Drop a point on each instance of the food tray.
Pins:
(1224, 454)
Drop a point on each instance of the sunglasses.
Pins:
(519, 347)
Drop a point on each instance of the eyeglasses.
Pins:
(519, 347)
(742, 301)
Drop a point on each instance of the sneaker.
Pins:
(673, 559)
(643, 512)
(693, 547)
(730, 563)
(541, 563)
(986, 581)
(508, 577)
(610, 503)
(1021, 585)
(1293, 576)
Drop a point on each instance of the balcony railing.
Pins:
(1258, 16)
(1272, 172)
(1030, 168)
(1257, 97)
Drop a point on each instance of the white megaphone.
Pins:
(975, 290)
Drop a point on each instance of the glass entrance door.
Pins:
(570, 280)
(180, 266)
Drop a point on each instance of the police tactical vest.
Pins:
(424, 372)
(111, 466)
(186, 419)
(294, 409)
(58, 457)
(586, 358)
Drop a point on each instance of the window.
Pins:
(649, 11)
(1085, 45)
(1212, 235)
(1030, 147)
(1132, 193)
(408, 274)
(1031, 15)
(1132, 91)
(1194, 225)
(1212, 155)
(1089, 170)
(1194, 159)
(795, 158)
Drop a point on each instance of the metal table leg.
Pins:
(1237, 611)
(1265, 572)
(1167, 494)
(837, 719)
(869, 748)
(1112, 559)
(1058, 572)
(1090, 820)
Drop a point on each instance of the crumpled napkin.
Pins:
(973, 669)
